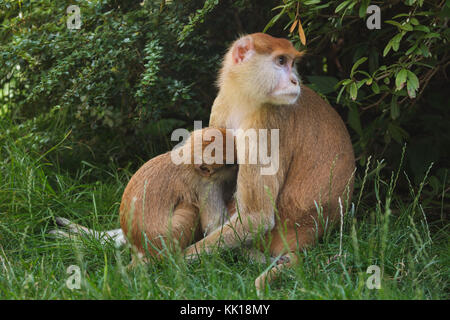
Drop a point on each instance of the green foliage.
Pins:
(121, 73)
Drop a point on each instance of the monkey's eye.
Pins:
(281, 60)
(205, 170)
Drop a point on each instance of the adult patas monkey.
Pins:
(260, 89)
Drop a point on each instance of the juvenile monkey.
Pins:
(174, 203)
(165, 202)
(259, 88)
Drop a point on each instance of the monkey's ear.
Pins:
(243, 48)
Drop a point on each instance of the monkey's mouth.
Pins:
(291, 93)
(286, 97)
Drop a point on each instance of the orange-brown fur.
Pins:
(165, 202)
(265, 44)
(316, 165)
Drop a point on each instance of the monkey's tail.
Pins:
(74, 230)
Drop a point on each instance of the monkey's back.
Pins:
(320, 160)
(149, 200)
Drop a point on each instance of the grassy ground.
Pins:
(383, 229)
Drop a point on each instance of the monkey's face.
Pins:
(264, 69)
(285, 78)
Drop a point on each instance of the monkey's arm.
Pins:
(219, 114)
(213, 209)
(255, 197)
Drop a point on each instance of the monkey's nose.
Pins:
(294, 81)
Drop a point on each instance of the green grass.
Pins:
(384, 229)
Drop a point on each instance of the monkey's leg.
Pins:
(284, 244)
(184, 226)
(172, 231)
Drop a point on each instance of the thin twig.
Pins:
(377, 102)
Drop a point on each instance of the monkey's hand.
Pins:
(256, 218)
(192, 254)
(190, 258)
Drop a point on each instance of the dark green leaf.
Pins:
(400, 79)
(353, 91)
(323, 84)
(354, 120)
(395, 109)
(355, 66)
